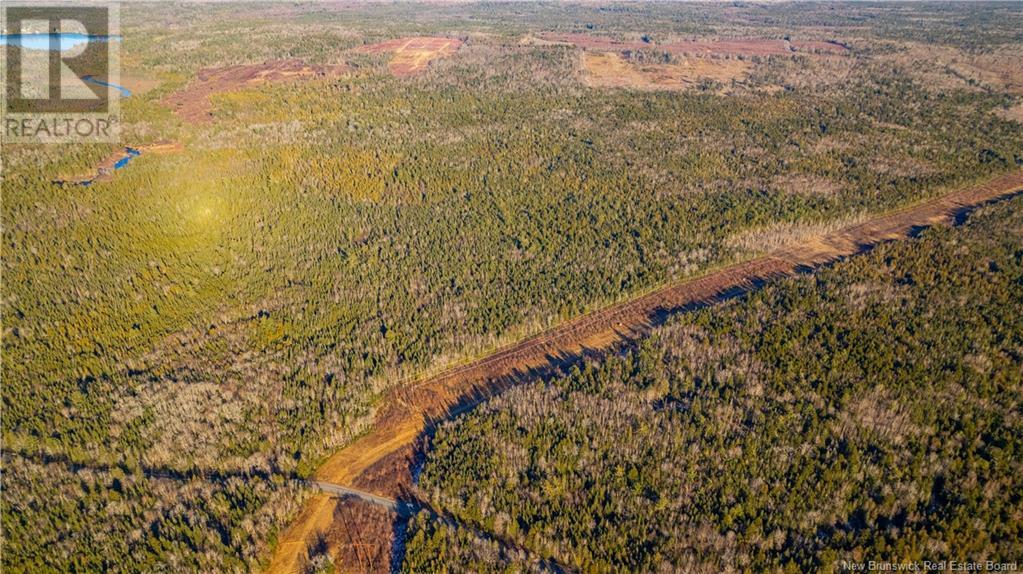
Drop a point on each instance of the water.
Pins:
(130, 154)
(65, 41)
(92, 80)
(41, 41)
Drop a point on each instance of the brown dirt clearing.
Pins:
(611, 70)
(1015, 113)
(413, 55)
(138, 84)
(291, 553)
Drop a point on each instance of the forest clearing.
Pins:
(382, 460)
(413, 55)
(193, 102)
(611, 70)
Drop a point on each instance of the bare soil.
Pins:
(193, 102)
(413, 55)
(137, 84)
(381, 461)
(1015, 113)
(291, 555)
(356, 534)
(611, 70)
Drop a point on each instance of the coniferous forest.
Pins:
(318, 217)
(822, 419)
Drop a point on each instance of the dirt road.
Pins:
(380, 462)
(400, 507)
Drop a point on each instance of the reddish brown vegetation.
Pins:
(413, 55)
(819, 47)
(193, 102)
(361, 536)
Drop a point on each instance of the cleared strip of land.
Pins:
(380, 462)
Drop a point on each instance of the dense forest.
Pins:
(871, 412)
(183, 341)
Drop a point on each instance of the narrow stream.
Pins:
(129, 154)
(125, 92)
